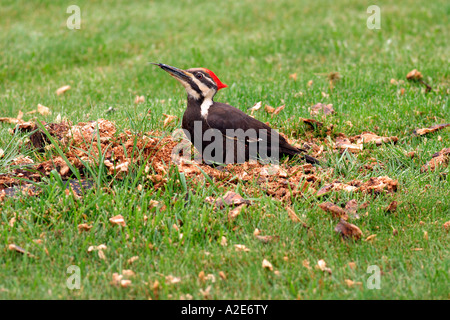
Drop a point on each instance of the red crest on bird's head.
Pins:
(220, 84)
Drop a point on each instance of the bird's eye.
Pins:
(199, 75)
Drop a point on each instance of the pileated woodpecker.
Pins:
(229, 124)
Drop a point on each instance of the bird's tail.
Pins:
(310, 159)
(302, 153)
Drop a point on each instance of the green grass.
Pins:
(253, 47)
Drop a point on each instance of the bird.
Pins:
(238, 137)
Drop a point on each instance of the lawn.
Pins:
(276, 52)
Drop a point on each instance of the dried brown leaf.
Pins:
(139, 99)
(348, 230)
(84, 227)
(267, 239)
(336, 211)
(169, 119)
(231, 199)
(241, 247)
(414, 75)
(118, 220)
(392, 207)
(233, 214)
(439, 159)
(267, 265)
(277, 110)
(423, 131)
(62, 90)
(320, 108)
(269, 109)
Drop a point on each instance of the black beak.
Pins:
(175, 72)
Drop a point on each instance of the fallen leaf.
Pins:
(318, 108)
(446, 226)
(172, 280)
(351, 207)
(10, 120)
(267, 265)
(439, 159)
(231, 199)
(352, 265)
(292, 215)
(118, 220)
(43, 110)
(101, 254)
(223, 241)
(392, 207)
(344, 143)
(370, 137)
(84, 227)
(352, 283)
(371, 237)
(255, 107)
(241, 247)
(336, 211)
(310, 83)
(414, 75)
(128, 273)
(277, 110)
(16, 248)
(233, 214)
(117, 280)
(378, 185)
(348, 230)
(293, 76)
(169, 119)
(267, 239)
(206, 293)
(12, 221)
(423, 131)
(321, 265)
(132, 259)
(139, 99)
(62, 90)
(96, 248)
(312, 123)
(335, 186)
(125, 283)
(269, 109)
(222, 275)
(305, 263)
